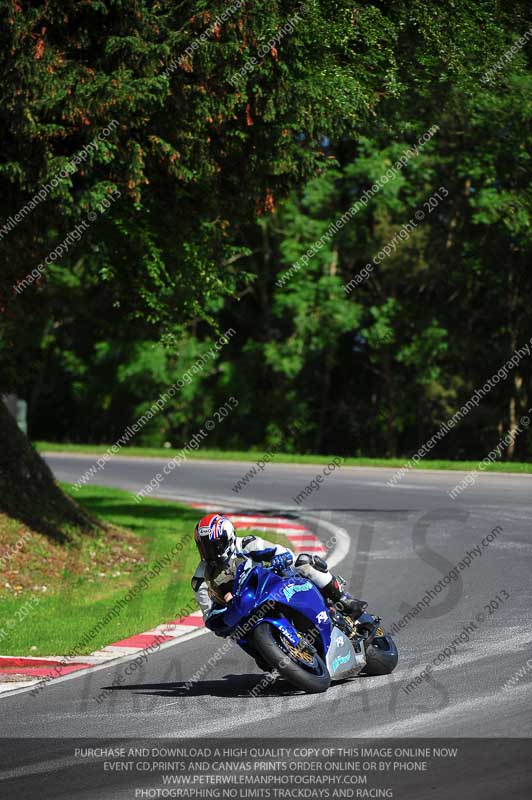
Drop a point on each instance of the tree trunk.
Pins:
(514, 406)
(327, 370)
(514, 414)
(391, 429)
(28, 491)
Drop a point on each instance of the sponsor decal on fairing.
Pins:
(289, 591)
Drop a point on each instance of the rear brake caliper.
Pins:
(343, 621)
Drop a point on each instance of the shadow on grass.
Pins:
(153, 512)
(54, 515)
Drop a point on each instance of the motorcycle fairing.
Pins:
(259, 588)
(342, 658)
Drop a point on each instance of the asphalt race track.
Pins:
(403, 541)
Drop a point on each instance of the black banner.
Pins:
(274, 769)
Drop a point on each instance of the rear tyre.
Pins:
(381, 656)
(308, 672)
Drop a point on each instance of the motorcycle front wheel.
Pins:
(301, 666)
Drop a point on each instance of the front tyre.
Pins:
(301, 666)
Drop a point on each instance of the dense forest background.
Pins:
(373, 371)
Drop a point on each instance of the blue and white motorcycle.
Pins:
(284, 623)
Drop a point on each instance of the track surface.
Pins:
(403, 541)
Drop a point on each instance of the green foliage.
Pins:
(224, 184)
(184, 141)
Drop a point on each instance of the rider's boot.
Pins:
(315, 568)
(343, 601)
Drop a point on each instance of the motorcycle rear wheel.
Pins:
(310, 679)
(381, 656)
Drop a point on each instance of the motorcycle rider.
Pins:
(221, 551)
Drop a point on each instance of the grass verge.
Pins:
(282, 458)
(54, 598)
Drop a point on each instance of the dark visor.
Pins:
(211, 549)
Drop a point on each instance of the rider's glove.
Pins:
(282, 561)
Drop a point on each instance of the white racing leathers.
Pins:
(258, 550)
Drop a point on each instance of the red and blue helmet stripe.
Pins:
(216, 526)
(213, 523)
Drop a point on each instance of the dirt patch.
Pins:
(31, 561)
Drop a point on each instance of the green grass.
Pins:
(282, 458)
(59, 620)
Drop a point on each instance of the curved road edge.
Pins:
(336, 546)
